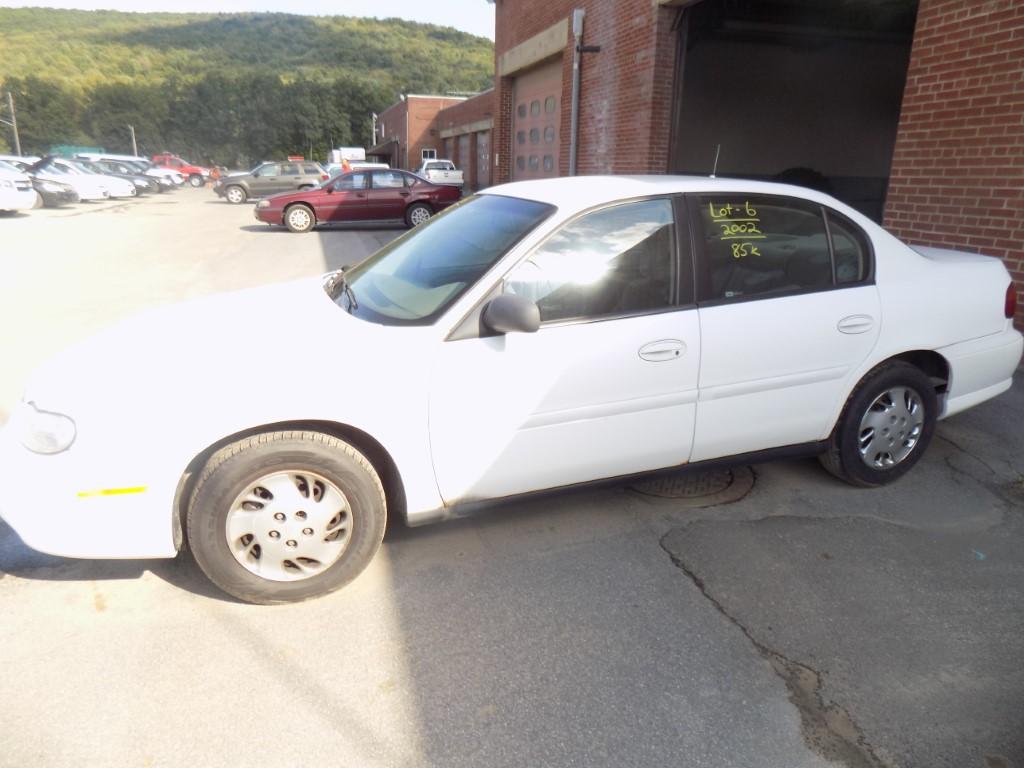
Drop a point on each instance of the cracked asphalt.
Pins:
(801, 623)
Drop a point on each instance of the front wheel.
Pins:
(299, 218)
(235, 194)
(417, 214)
(196, 180)
(885, 427)
(285, 516)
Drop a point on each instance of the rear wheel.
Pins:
(299, 218)
(885, 427)
(286, 516)
(417, 214)
(235, 194)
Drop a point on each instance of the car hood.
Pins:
(253, 355)
(282, 198)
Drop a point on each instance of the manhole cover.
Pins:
(700, 488)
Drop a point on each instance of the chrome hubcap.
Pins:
(289, 526)
(299, 218)
(419, 215)
(890, 428)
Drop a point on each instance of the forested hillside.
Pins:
(222, 88)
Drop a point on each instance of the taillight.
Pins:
(1010, 308)
(324, 177)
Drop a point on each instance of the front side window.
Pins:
(414, 279)
(757, 245)
(351, 181)
(616, 261)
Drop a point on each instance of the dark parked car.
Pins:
(270, 179)
(143, 184)
(52, 193)
(378, 195)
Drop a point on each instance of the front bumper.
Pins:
(57, 505)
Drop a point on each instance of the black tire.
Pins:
(304, 187)
(303, 219)
(235, 467)
(236, 194)
(415, 211)
(843, 457)
(196, 180)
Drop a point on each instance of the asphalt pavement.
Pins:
(798, 622)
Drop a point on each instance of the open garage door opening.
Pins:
(793, 90)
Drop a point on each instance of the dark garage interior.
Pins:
(797, 90)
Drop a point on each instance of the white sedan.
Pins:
(537, 335)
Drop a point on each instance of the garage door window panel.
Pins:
(614, 262)
(757, 246)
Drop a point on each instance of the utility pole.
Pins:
(135, 149)
(13, 122)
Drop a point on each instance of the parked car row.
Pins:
(31, 182)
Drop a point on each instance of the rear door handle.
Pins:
(663, 349)
(856, 324)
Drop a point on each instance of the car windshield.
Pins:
(414, 279)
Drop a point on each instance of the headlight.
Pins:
(44, 431)
(263, 204)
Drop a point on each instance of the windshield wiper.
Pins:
(337, 280)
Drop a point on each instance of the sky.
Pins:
(473, 16)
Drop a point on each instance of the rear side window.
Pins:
(311, 170)
(388, 179)
(289, 169)
(759, 245)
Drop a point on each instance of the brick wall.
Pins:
(625, 90)
(411, 123)
(958, 169)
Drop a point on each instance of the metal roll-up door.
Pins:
(483, 159)
(536, 117)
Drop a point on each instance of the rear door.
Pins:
(387, 196)
(788, 311)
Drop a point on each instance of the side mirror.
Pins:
(510, 313)
(328, 188)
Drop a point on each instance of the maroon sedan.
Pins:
(370, 195)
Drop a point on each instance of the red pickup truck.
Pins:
(197, 175)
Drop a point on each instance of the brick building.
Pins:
(911, 111)
(405, 131)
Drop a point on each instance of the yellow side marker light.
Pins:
(111, 492)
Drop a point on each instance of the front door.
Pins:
(347, 199)
(788, 312)
(606, 387)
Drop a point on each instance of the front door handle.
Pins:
(663, 349)
(856, 324)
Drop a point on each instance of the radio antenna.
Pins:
(714, 169)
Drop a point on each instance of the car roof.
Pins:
(581, 192)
